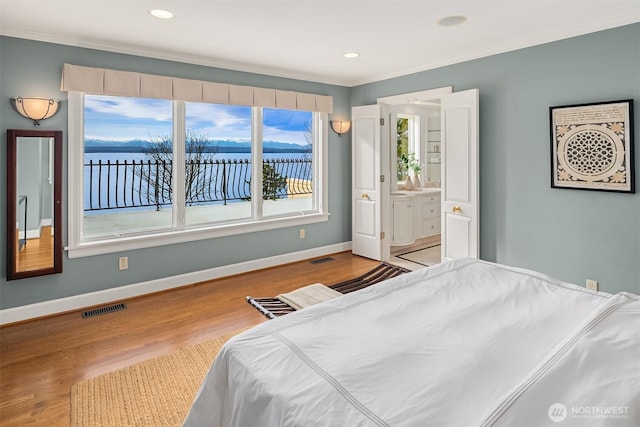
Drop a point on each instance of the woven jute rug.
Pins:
(154, 393)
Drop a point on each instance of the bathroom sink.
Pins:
(399, 194)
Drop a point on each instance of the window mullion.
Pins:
(75, 161)
(316, 147)
(320, 164)
(256, 162)
(178, 167)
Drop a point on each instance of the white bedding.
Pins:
(465, 343)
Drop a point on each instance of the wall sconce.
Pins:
(35, 109)
(340, 126)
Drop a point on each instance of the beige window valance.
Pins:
(103, 81)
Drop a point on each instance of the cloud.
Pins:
(277, 134)
(131, 108)
(122, 119)
(219, 121)
(287, 120)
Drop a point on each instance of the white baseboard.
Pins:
(31, 234)
(77, 302)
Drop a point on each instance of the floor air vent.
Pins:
(103, 310)
(322, 260)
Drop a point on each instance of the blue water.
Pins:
(218, 156)
(107, 191)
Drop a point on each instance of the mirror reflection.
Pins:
(34, 204)
(33, 165)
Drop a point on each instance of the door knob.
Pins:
(456, 209)
(365, 196)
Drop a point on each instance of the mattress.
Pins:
(464, 343)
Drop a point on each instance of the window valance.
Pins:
(103, 81)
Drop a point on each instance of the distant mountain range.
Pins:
(214, 146)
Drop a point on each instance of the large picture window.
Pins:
(148, 172)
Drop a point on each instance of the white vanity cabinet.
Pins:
(403, 208)
(427, 214)
(415, 214)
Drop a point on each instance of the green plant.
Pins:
(402, 147)
(413, 163)
(272, 182)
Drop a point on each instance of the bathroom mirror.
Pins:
(34, 203)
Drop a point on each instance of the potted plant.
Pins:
(414, 165)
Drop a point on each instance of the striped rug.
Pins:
(272, 307)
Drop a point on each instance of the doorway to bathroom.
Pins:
(375, 179)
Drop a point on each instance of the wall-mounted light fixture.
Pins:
(35, 109)
(340, 126)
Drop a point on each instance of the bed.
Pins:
(464, 343)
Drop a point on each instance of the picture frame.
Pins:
(592, 146)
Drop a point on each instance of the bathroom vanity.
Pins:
(414, 215)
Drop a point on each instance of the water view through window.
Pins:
(129, 164)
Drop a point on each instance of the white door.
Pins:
(366, 225)
(460, 209)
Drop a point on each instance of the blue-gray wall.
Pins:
(30, 68)
(569, 234)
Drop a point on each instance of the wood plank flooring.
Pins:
(41, 359)
(37, 253)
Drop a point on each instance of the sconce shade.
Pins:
(35, 109)
(340, 126)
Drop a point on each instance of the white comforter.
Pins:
(465, 343)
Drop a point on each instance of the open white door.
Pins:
(366, 226)
(460, 209)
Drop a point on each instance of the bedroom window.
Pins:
(126, 188)
(218, 154)
(146, 172)
(287, 161)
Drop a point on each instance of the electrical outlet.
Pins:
(123, 263)
(592, 284)
(302, 233)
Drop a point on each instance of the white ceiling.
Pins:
(305, 39)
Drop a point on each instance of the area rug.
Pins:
(272, 307)
(154, 393)
(425, 256)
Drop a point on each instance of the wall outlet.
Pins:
(592, 284)
(123, 263)
(302, 233)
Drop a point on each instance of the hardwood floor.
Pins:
(41, 359)
(37, 253)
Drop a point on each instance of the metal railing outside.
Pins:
(145, 183)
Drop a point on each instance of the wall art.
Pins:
(592, 146)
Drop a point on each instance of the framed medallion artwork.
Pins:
(592, 146)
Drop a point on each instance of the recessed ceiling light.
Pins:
(351, 55)
(161, 13)
(452, 21)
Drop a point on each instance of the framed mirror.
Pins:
(34, 203)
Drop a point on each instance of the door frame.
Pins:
(424, 97)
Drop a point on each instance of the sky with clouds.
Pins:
(124, 119)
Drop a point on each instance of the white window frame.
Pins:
(78, 247)
(413, 126)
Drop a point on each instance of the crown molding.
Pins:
(575, 29)
(507, 46)
(164, 55)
